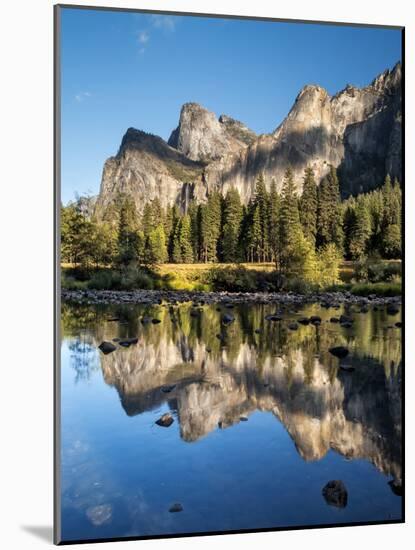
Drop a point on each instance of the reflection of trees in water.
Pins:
(289, 373)
(83, 357)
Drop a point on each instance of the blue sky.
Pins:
(122, 69)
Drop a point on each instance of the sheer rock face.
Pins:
(146, 167)
(200, 136)
(358, 131)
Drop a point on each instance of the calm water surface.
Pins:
(309, 421)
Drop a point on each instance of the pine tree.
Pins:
(232, 218)
(290, 226)
(262, 203)
(254, 233)
(156, 246)
(128, 240)
(308, 206)
(194, 214)
(185, 240)
(391, 223)
(329, 217)
(273, 231)
(173, 247)
(361, 231)
(210, 227)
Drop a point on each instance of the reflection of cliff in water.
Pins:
(322, 407)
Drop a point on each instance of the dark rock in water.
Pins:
(113, 319)
(334, 320)
(195, 313)
(168, 389)
(266, 385)
(243, 419)
(208, 350)
(273, 317)
(347, 368)
(166, 420)
(116, 339)
(106, 347)
(258, 331)
(227, 319)
(364, 309)
(396, 487)
(304, 321)
(293, 326)
(398, 324)
(176, 507)
(392, 309)
(345, 319)
(339, 351)
(128, 341)
(335, 493)
(145, 320)
(155, 321)
(315, 320)
(346, 324)
(218, 309)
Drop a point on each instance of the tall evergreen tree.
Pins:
(254, 233)
(210, 225)
(361, 231)
(273, 231)
(156, 246)
(262, 203)
(128, 238)
(232, 218)
(194, 214)
(290, 225)
(185, 240)
(329, 214)
(308, 206)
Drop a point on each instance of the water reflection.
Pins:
(221, 374)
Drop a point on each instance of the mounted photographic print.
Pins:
(229, 253)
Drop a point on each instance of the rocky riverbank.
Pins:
(328, 299)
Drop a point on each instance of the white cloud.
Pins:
(81, 96)
(143, 37)
(165, 22)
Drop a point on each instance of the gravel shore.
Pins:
(328, 299)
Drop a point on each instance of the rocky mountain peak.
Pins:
(202, 137)
(357, 130)
(388, 80)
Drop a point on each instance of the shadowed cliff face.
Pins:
(290, 375)
(358, 131)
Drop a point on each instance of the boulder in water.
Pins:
(339, 351)
(335, 493)
(165, 420)
(107, 347)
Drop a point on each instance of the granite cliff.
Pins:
(358, 131)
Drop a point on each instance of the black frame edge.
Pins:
(57, 540)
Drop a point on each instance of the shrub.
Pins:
(375, 272)
(105, 280)
(233, 279)
(380, 289)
